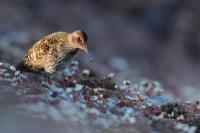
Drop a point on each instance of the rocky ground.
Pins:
(82, 101)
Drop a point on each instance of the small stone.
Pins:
(74, 81)
(78, 87)
(12, 68)
(100, 101)
(17, 73)
(101, 95)
(74, 63)
(183, 127)
(158, 89)
(181, 117)
(4, 70)
(54, 94)
(188, 102)
(138, 92)
(172, 114)
(111, 102)
(110, 75)
(86, 72)
(71, 96)
(73, 72)
(69, 90)
(149, 104)
(126, 82)
(94, 98)
(116, 86)
(129, 110)
(98, 89)
(129, 97)
(123, 87)
(161, 116)
(157, 84)
(6, 74)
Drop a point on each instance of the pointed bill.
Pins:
(88, 54)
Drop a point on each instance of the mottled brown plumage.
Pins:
(50, 54)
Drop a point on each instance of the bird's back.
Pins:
(44, 52)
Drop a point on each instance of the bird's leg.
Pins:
(52, 89)
(48, 79)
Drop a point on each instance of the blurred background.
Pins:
(135, 39)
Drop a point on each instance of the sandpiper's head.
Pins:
(78, 39)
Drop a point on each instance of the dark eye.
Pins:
(79, 39)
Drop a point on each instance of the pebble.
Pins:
(6, 74)
(69, 90)
(17, 73)
(94, 98)
(179, 118)
(188, 102)
(74, 63)
(111, 102)
(12, 68)
(110, 75)
(186, 128)
(161, 116)
(86, 72)
(129, 97)
(127, 82)
(149, 104)
(78, 87)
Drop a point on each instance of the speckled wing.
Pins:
(36, 56)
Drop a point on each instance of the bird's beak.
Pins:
(88, 54)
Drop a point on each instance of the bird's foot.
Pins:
(53, 91)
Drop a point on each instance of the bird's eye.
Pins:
(79, 39)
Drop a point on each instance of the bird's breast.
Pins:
(61, 63)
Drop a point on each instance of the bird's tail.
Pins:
(21, 67)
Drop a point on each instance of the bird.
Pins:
(51, 53)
